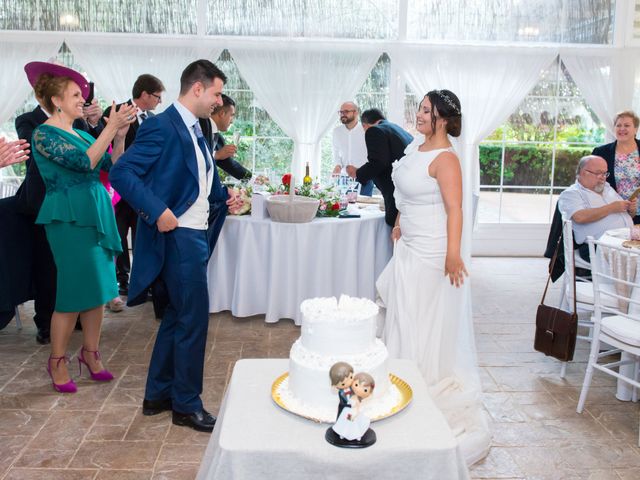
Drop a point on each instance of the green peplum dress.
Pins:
(78, 218)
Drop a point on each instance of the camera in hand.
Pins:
(89, 99)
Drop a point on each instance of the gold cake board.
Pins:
(406, 394)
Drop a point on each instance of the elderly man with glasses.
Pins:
(592, 204)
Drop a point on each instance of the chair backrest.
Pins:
(616, 280)
(569, 253)
(8, 186)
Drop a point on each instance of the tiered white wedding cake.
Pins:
(333, 331)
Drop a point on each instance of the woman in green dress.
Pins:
(78, 218)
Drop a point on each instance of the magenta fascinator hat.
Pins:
(35, 69)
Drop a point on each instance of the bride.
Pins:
(428, 309)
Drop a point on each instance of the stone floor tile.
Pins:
(124, 455)
(148, 427)
(50, 474)
(22, 422)
(10, 448)
(176, 471)
(497, 465)
(124, 474)
(35, 456)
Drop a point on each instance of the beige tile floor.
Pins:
(100, 433)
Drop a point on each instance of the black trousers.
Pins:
(44, 279)
(126, 219)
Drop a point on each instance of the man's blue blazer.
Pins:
(157, 172)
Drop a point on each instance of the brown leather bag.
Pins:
(556, 329)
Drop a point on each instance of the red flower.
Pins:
(335, 206)
(286, 179)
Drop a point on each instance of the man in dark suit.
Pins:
(29, 199)
(221, 119)
(168, 177)
(386, 143)
(147, 95)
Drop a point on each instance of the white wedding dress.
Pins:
(425, 318)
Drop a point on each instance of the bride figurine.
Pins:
(352, 426)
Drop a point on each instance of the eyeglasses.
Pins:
(157, 96)
(598, 174)
(344, 112)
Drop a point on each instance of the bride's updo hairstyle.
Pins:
(448, 106)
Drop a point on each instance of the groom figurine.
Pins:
(169, 178)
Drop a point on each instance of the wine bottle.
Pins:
(307, 178)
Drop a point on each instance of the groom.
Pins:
(169, 178)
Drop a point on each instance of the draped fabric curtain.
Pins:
(605, 79)
(302, 87)
(490, 85)
(114, 65)
(14, 55)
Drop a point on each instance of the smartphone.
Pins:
(89, 99)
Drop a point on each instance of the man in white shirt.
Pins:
(349, 147)
(592, 204)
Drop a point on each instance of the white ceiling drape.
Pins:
(605, 79)
(14, 55)
(302, 86)
(114, 65)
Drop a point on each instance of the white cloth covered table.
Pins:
(254, 439)
(265, 267)
(615, 238)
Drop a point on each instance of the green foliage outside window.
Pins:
(530, 164)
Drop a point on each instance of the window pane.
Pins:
(134, 16)
(304, 18)
(533, 121)
(567, 157)
(577, 123)
(228, 66)
(527, 164)
(265, 126)
(274, 154)
(490, 164)
(489, 205)
(564, 21)
(526, 206)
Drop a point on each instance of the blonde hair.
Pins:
(630, 114)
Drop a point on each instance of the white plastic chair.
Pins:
(584, 287)
(616, 267)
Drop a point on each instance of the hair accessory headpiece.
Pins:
(448, 101)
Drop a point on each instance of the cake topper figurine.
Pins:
(351, 429)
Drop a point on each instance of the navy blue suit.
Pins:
(157, 172)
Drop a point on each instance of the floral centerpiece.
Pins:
(245, 191)
(328, 196)
(329, 202)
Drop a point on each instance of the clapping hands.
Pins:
(120, 119)
(13, 152)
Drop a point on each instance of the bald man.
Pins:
(349, 147)
(592, 204)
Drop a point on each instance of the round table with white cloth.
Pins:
(266, 267)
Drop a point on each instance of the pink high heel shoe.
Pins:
(70, 386)
(101, 376)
